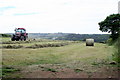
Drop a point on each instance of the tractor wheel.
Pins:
(22, 38)
(17, 39)
(12, 39)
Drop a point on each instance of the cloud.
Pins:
(7, 7)
(56, 15)
(20, 14)
(2, 9)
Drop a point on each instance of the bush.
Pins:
(116, 55)
(109, 41)
(5, 35)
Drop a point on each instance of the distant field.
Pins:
(72, 60)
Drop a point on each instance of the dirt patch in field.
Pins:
(64, 73)
(57, 71)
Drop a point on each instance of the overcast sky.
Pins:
(51, 16)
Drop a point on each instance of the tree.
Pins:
(111, 25)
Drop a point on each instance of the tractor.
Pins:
(20, 34)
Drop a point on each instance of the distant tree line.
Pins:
(46, 35)
(5, 35)
(83, 37)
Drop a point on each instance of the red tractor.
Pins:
(20, 34)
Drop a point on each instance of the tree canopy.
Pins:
(111, 25)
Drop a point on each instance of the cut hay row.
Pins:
(47, 45)
(19, 42)
(30, 41)
(15, 42)
(34, 46)
(12, 46)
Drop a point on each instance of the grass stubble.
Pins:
(75, 56)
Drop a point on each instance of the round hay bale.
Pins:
(89, 42)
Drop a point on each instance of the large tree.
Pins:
(111, 25)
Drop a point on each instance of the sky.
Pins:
(52, 16)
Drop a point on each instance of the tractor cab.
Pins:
(20, 34)
(20, 31)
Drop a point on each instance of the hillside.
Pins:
(68, 36)
(83, 37)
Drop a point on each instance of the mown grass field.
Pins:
(72, 60)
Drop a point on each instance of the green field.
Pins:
(75, 57)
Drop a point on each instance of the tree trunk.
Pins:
(113, 36)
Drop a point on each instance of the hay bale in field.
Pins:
(89, 42)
